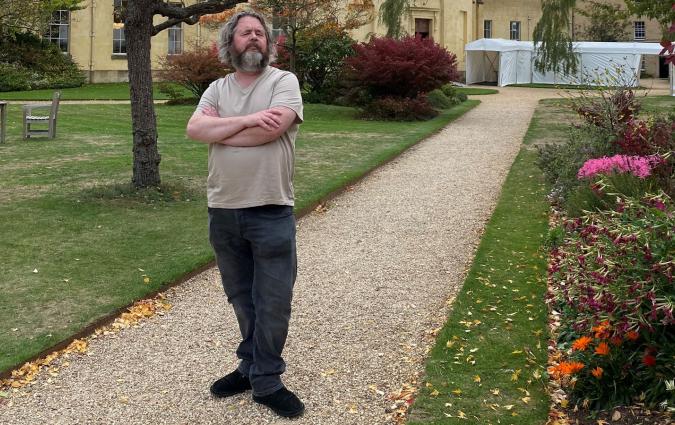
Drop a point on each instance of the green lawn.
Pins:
(77, 244)
(102, 91)
(475, 91)
(488, 364)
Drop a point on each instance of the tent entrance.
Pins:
(663, 68)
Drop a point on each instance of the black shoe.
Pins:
(230, 384)
(283, 403)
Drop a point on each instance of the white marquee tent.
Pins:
(512, 62)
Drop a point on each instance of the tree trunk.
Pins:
(138, 33)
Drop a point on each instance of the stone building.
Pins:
(97, 43)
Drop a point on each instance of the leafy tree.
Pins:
(552, 31)
(607, 22)
(297, 16)
(321, 51)
(391, 12)
(139, 29)
(555, 52)
(17, 16)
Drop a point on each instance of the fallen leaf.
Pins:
(616, 416)
(328, 372)
(508, 407)
(35, 270)
(515, 375)
(461, 415)
(526, 400)
(457, 391)
(495, 391)
(434, 393)
(476, 378)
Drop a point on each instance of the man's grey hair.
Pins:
(227, 36)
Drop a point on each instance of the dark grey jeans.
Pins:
(255, 252)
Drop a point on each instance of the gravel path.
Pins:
(377, 271)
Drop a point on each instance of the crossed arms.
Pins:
(248, 130)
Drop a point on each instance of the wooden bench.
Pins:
(31, 118)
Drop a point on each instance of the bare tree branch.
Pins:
(190, 14)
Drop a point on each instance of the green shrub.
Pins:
(28, 63)
(602, 194)
(399, 109)
(320, 52)
(14, 77)
(450, 90)
(560, 163)
(439, 100)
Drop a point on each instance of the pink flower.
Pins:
(639, 166)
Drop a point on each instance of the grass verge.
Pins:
(488, 364)
(78, 244)
(475, 91)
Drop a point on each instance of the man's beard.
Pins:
(250, 61)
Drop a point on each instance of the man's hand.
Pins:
(268, 119)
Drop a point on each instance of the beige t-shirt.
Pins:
(243, 177)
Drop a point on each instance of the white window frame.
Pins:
(175, 46)
(487, 28)
(119, 42)
(514, 30)
(59, 30)
(639, 30)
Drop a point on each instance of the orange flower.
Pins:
(569, 368)
(602, 349)
(616, 341)
(597, 372)
(582, 343)
(601, 331)
(632, 335)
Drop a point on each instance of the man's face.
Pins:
(249, 45)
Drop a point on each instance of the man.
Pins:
(250, 120)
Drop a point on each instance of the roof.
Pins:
(502, 45)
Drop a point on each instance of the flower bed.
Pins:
(611, 289)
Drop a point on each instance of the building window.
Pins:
(422, 28)
(57, 32)
(119, 42)
(639, 30)
(278, 24)
(515, 30)
(175, 39)
(487, 29)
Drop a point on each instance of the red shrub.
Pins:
(194, 69)
(401, 68)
